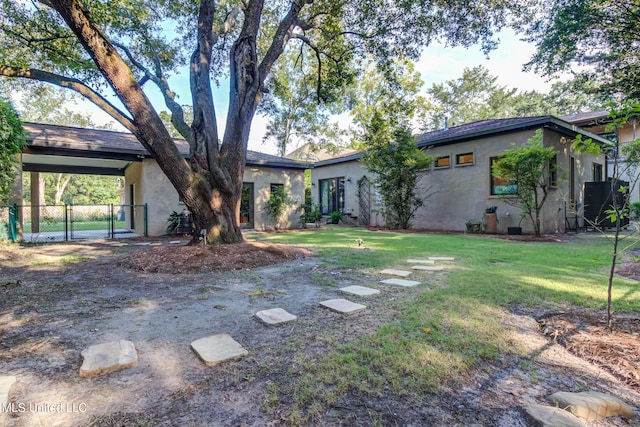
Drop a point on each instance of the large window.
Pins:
(500, 186)
(331, 195)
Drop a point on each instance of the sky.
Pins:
(437, 64)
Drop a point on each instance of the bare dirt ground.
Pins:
(162, 298)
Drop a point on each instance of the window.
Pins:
(553, 172)
(500, 186)
(331, 195)
(277, 188)
(464, 159)
(443, 162)
(597, 172)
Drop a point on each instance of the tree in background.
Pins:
(477, 96)
(117, 48)
(530, 168)
(297, 109)
(12, 139)
(600, 36)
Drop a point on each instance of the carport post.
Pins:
(66, 223)
(146, 227)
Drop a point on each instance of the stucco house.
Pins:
(460, 185)
(597, 122)
(67, 149)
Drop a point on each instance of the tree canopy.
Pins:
(600, 36)
(12, 139)
(114, 52)
(476, 95)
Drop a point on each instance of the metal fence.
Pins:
(55, 223)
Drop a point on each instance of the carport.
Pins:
(65, 149)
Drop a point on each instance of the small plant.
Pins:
(635, 210)
(335, 217)
(277, 204)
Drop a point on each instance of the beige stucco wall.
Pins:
(262, 178)
(461, 193)
(352, 172)
(153, 187)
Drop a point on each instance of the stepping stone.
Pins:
(218, 348)
(548, 416)
(175, 242)
(401, 273)
(401, 282)
(343, 306)
(442, 258)
(142, 244)
(592, 405)
(275, 316)
(426, 268)
(156, 244)
(362, 291)
(5, 385)
(108, 357)
(421, 261)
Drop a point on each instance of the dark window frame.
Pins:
(504, 183)
(447, 166)
(459, 157)
(334, 195)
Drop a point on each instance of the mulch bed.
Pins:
(210, 258)
(584, 333)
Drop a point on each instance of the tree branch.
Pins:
(73, 84)
(177, 113)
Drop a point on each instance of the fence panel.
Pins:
(59, 223)
(90, 221)
(44, 223)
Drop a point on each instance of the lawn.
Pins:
(452, 327)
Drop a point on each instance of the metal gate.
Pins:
(56, 223)
(364, 200)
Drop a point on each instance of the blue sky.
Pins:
(438, 63)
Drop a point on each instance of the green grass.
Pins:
(77, 226)
(447, 330)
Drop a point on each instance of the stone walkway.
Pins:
(569, 409)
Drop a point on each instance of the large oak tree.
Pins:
(100, 48)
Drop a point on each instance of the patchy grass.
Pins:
(448, 329)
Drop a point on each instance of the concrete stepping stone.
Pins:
(401, 273)
(142, 244)
(218, 348)
(421, 261)
(442, 258)
(108, 357)
(592, 405)
(427, 268)
(401, 282)
(343, 306)
(361, 291)
(275, 316)
(175, 242)
(5, 385)
(156, 244)
(548, 416)
(119, 245)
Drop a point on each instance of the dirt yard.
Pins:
(59, 299)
